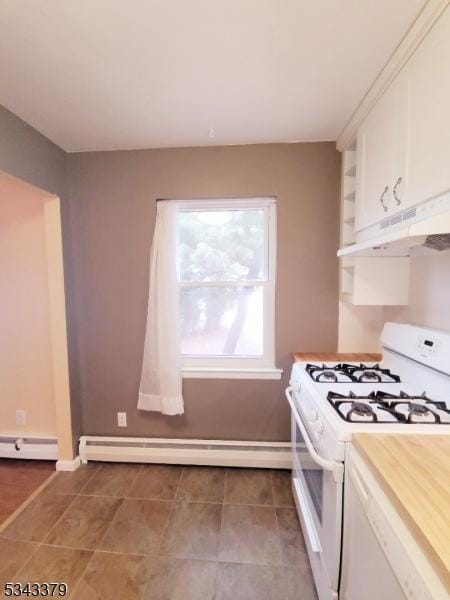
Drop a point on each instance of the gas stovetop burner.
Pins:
(418, 409)
(362, 409)
(359, 411)
(369, 376)
(384, 407)
(345, 373)
(327, 376)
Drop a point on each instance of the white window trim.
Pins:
(263, 367)
(224, 373)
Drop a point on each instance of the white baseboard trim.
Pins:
(271, 455)
(28, 446)
(68, 465)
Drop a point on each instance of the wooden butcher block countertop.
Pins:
(335, 357)
(414, 472)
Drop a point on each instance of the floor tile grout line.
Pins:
(225, 485)
(60, 518)
(163, 532)
(99, 467)
(94, 471)
(138, 472)
(283, 566)
(169, 516)
(183, 470)
(93, 550)
(201, 500)
(89, 479)
(116, 512)
(16, 574)
(119, 506)
(267, 472)
(69, 473)
(219, 543)
(174, 499)
(154, 499)
(38, 544)
(150, 555)
(82, 574)
(272, 488)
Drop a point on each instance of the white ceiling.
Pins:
(110, 74)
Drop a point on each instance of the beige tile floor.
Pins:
(157, 532)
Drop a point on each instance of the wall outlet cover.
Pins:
(122, 419)
(21, 417)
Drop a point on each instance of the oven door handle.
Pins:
(329, 465)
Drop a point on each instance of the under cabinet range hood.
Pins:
(426, 225)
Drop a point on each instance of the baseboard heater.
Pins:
(13, 446)
(271, 455)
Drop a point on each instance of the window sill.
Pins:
(224, 373)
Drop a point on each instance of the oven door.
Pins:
(317, 483)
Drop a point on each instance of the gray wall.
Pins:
(108, 214)
(30, 156)
(112, 215)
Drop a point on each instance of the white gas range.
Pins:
(408, 392)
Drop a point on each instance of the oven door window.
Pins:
(313, 474)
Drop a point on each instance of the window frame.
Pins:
(240, 367)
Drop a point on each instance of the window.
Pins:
(226, 274)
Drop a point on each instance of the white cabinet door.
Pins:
(400, 182)
(429, 143)
(375, 162)
(366, 571)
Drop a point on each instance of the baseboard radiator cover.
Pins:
(29, 447)
(270, 455)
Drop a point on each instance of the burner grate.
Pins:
(384, 407)
(346, 373)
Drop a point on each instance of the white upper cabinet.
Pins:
(429, 137)
(399, 184)
(380, 155)
(403, 145)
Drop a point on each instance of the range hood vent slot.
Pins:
(439, 241)
(409, 214)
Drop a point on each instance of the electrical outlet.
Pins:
(122, 419)
(21, 417)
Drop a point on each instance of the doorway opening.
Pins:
(35, 415)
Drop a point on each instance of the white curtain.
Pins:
(160, 388)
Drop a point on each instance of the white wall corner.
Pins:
(68, 465)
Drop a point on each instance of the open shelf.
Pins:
(350, 196)
(348, 201)
(346, 297)
(351, 171)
